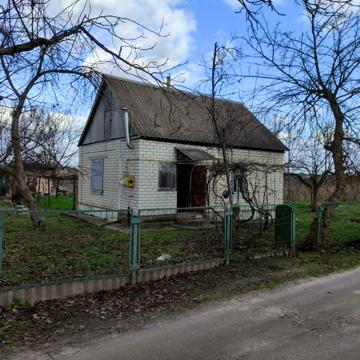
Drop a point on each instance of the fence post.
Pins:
(134, 253)
(293, 231)
(228, 233)
(2, 216)
(320, 215)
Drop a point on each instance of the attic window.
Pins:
(167, 176)
(97, 176)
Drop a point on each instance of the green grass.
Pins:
(5, 203)
(344, 230)
(62, 202)
(67, 248)
(304, 218)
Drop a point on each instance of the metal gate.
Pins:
(285, 228)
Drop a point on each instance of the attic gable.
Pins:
(106, 119)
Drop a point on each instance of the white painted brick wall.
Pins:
(142, 162)
(110, 152)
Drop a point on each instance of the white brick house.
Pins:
(162, 162)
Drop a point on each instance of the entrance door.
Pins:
(198, 186)
(183, 185)
(191, 186)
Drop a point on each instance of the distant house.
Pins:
(43, 179)
(149, 147)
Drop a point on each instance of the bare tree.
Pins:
(311, 165)
(37, 130)
(43, 55)
(248, 179)
(314, 72)
(220, 77)
(58, 146)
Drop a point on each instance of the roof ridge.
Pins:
(191, 92)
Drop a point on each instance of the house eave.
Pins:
(211, 144)
(194, 143)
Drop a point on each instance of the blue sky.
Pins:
(191, 26)
(216, 20)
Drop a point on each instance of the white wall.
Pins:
(110, 152)
(142, 162)
(152, 152)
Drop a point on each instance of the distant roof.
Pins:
(171, 115)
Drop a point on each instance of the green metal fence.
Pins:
(88, 243)
(263, 230)
(175, 235)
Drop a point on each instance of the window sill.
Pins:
(97, 192)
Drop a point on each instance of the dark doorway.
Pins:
(183, 185)
(198, 189)
(191, 186)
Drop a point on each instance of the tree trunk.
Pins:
(314, 195)
(19, 174)
(214, 118)
(57, 188)
(227, 174)
(337, 152)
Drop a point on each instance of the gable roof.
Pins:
(169, 115)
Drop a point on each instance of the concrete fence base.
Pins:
(78, 287)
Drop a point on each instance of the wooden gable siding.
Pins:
(106, 121)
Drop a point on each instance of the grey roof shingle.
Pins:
(157, 113)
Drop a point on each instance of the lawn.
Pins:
(68, 247)
(344, 230)
(65, 248)
(63, 202)
(304, 217)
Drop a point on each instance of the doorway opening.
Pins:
(191, 185)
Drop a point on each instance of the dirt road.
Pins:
(318, 319)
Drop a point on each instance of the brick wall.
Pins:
(110, 152)
(142, 162)
(153, 152)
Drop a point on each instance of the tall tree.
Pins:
(220, 78)
(44, 54)
(313, 72)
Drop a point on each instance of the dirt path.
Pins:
(318, 319)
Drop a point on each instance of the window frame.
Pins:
(93, 190)
(167, 188)
(235, 183)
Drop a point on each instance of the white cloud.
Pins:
(178, 26)
(234, 4)
(189, 76)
